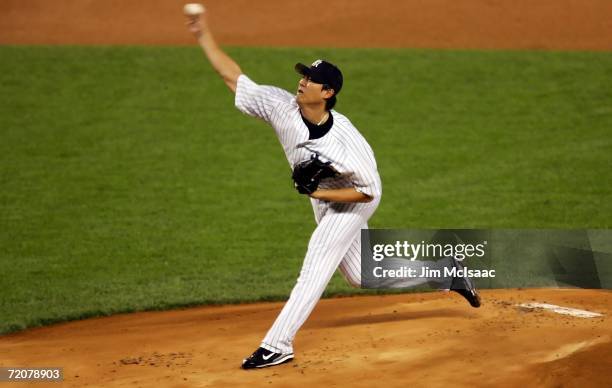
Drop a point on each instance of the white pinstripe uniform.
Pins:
(336, 239)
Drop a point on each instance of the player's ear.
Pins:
(328, 92)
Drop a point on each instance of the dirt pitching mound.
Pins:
(428, 339)
(490, 24)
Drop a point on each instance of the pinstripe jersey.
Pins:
(347, 150)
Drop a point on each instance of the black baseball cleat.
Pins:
(465, 287)
(263, 358)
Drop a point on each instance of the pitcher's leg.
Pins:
(350, 267)
(328, 245)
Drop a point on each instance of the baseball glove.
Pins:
(308, 174)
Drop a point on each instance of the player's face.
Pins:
(310, 92)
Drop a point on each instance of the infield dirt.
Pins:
(492, 24)
(420, 340)
(428, 339)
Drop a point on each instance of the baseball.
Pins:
(193, 9)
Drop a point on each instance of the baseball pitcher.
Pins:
(332, 164)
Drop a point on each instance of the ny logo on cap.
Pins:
(316, 63)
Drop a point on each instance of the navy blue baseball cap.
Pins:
(322, 72)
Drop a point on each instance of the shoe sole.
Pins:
(473, 298)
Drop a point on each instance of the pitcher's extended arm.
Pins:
(220, 61)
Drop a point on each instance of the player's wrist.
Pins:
(315, 194)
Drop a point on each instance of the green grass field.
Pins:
(130, 182)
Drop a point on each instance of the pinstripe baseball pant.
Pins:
(336, 242)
